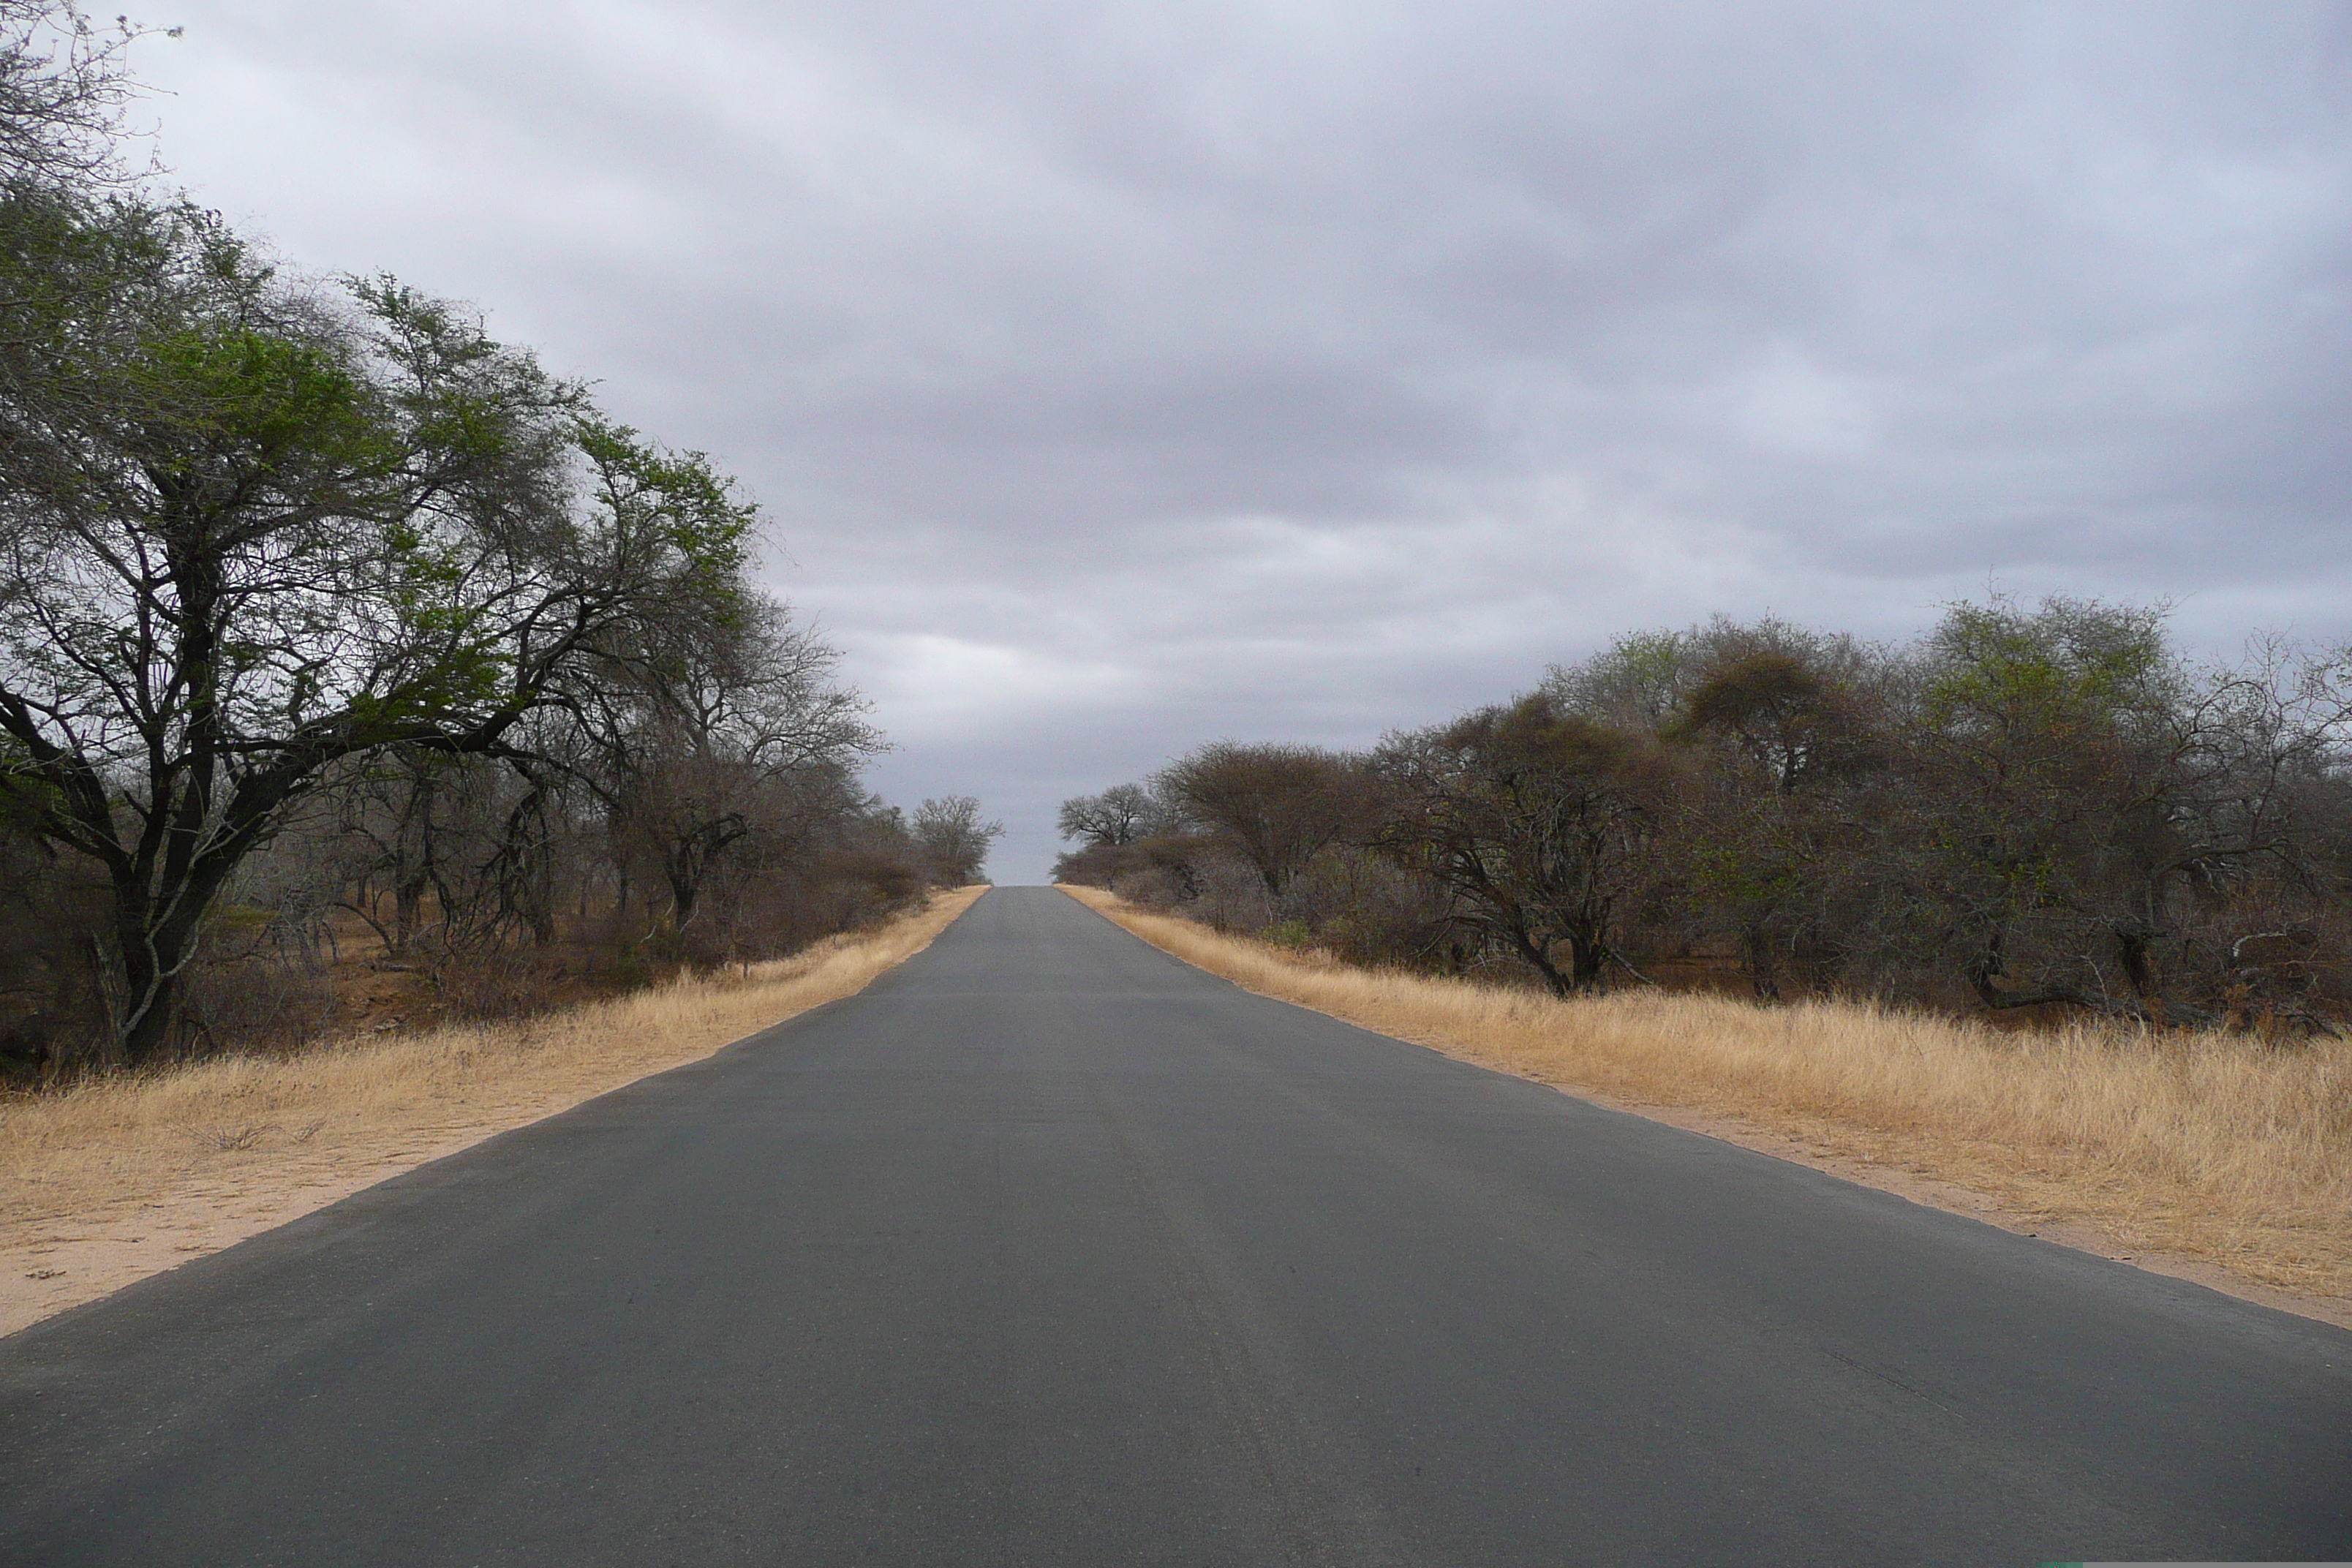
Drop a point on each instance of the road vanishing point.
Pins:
(1048, 1249)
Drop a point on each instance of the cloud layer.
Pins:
(1122, 375)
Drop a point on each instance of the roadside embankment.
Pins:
(116, 1179)
(2217, 1157)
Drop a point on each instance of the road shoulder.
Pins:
(121, 1180)
(1867, 1157)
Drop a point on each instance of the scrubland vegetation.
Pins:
(356, 670)
(2035, 904)
(2046, 811)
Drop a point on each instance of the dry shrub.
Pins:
(1367, 909)
(501, 983)
(2214, 1146)
(263, 1003)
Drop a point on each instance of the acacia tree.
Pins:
(1792, 724)
(953, 839)
(734, 731)
(1785, 750)
(2091, 803)
(249, 529)
(1275, 805)
(1120, 815)
(1542, 825)
(406, 822)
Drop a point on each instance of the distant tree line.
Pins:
(321, 613)
(2030, 807)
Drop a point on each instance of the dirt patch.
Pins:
(116, 1180)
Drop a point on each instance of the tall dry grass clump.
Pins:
(2215, 1147)
(116, 1177)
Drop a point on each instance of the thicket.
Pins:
(2039, 807)
(325, 618)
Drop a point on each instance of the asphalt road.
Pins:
(1047, 1249)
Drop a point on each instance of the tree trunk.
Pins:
(1763, 971)
(682, 869)
(1539, 959)
(408, 910)
(150, 959)
(1587, 951)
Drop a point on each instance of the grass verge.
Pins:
(117, 1179)
(2214, 1156)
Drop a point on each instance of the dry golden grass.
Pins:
(116, 1179)
(2211, 1149)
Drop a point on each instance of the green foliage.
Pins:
(1637, 681)
(677, 498)
(267, 540)
(2069, 668)
(255, 527)
(2040, 805)
(259, 401)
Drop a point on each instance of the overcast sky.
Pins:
(1120, 376)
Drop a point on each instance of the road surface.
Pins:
(1047, 1249)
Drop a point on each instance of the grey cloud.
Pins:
(1123, 375)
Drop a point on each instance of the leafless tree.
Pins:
(64, 87)
(954, 839)
(1120, 815)
(728, 733)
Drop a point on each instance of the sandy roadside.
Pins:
(109, 1185)
(1913, 1168)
